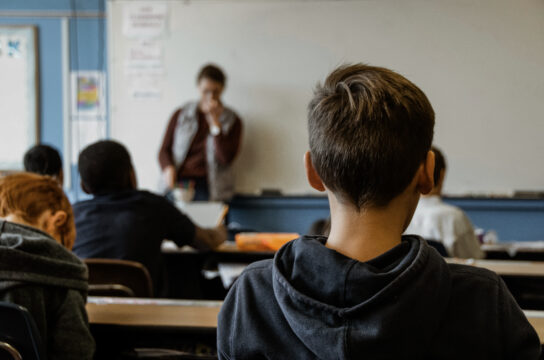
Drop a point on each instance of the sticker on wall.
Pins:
(88, 98)
(15, 48)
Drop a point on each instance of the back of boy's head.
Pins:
(43, 160)
(439, 165)
(370, 129)
(105, 167)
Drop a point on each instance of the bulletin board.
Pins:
(19, 95)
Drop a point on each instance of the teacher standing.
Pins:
(202, 140)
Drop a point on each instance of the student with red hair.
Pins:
(37, 269)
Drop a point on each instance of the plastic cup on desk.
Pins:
(479, 232)
(491, 237)
(183, 194)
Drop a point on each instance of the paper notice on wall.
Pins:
(86, 132)
(88, 94)
(145, 58)
(145, 19)
(145, 87)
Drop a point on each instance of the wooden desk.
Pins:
(188, 315)
(536, 318)
(525, 250)
(179, 314)
(527, 246)
(505, 267)
(121, 324)
(228, 247)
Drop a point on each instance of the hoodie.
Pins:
(41, 275)
(311, 302)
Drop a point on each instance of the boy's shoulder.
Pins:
(255, 283)
(475, 273)
(478, 286)
(258, 273)
(477, 283)
(125, 197)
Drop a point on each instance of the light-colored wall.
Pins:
(479, 62)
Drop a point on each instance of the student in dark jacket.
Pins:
(121, 222)
(366, 291)
(37, 270)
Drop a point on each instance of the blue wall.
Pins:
(512, 219)
(53, 5)
(88, 51)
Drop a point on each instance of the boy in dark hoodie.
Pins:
(366, 291)
(37, 269)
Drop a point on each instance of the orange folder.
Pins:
(263, 241)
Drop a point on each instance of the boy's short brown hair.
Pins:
(370, 129)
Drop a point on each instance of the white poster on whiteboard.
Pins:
(145, 58)
(18, 94)
(145, 19)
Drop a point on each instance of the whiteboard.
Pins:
(18, 94)
(479, 62)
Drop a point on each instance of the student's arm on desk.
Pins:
(209, 238)
(180, 229)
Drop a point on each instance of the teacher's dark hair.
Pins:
(105, 167)
(212, 72)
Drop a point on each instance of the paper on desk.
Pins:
(203, 213)
(229, 272)
(105, 300)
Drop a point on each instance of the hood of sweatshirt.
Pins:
(28, 255)
(339, 307)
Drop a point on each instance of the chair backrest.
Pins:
(19, 336)
(113, 277)
(438, 247)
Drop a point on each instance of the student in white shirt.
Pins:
(436, 220)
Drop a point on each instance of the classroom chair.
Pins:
(19, 337)
(114, 277)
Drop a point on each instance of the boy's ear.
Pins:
(59, 218)
(426, 174)
(313, 178)
(84, 188)
(133, 181)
